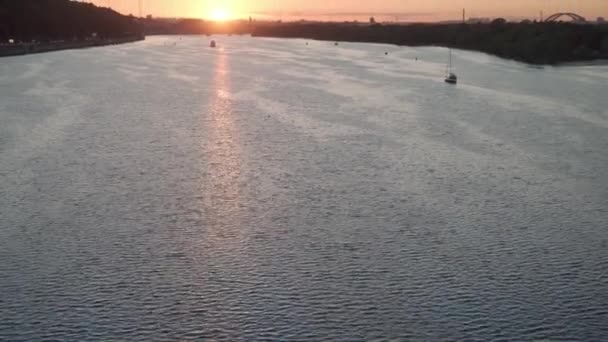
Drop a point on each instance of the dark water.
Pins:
(269, 190)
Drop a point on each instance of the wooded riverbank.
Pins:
(534, 43)
(31, 48)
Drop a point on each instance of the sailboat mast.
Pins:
(450, 68)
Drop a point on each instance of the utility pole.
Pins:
(463, 15)
(140, 8)
(541, 16)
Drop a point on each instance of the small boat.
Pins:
(212, 44)
(451, 77)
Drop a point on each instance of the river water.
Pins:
(273, 190)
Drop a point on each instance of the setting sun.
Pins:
(219, 14)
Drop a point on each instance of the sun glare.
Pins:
(219, 14)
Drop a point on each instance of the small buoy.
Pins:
(336, 43)
(386, 53)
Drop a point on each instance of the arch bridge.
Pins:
(575, 17)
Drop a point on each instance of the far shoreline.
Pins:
(22, 49)
(543, 43)
(583, 62)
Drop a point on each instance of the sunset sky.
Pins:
(405, 10)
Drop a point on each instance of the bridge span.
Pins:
(557, 16)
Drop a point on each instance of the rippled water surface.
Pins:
(273, 190)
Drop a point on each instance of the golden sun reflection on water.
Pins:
(223, 158)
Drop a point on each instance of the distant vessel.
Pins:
(450, 77)
(212, 44)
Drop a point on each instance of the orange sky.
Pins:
(406, 10)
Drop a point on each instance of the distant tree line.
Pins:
(538, 43)
(47, 20)
(196, 26)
